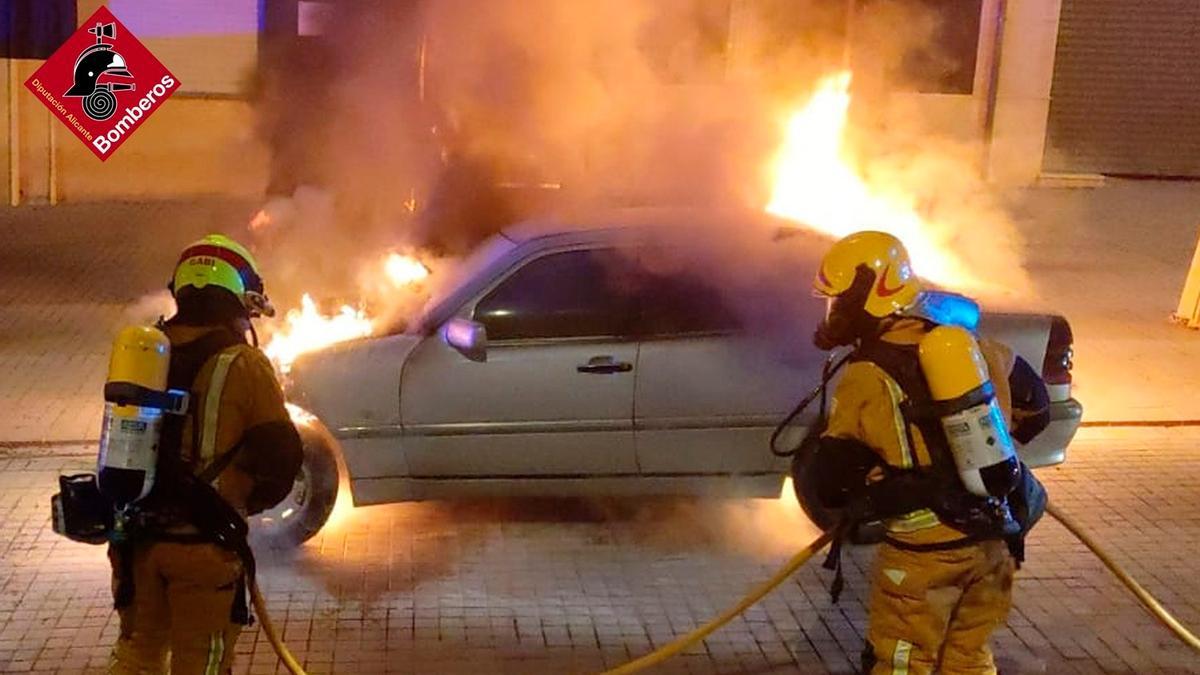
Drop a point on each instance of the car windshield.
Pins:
(458, 276)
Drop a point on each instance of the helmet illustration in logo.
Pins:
(99, 102)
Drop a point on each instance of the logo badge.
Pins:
(102, 83)
(881, 288)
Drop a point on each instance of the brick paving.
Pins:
(567, 586)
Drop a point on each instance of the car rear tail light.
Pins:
(1056, 368)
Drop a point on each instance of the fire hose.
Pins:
(759, 592)
(1148, 601)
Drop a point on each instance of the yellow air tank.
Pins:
(134, 394)
(966, 403)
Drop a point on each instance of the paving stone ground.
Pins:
(575, 587)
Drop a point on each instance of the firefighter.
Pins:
(942, 579)
(180, 595)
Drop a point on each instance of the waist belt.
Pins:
(178, 538)
(951, 545)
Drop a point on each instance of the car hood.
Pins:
(353, 385)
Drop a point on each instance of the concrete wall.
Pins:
(190, 146)
(201, 141)
(1022, 105)
(1002, 123)
(210, 45)
(1006, 116)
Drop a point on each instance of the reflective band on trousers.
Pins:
(212, 406)
(216, 652)
(917, 520)
(900, 657)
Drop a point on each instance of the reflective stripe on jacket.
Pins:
(233, 392)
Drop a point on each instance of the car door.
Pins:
(554, 397)
(715, 376)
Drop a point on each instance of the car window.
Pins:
(681, 304)
(438, 308)
(562, 295)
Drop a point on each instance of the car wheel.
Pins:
(825, 518)
(304, 511)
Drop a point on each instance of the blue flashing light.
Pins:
(950, 309)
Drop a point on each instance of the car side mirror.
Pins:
(467, 337)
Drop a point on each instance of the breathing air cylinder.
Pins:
(965, 400)
(135, 397)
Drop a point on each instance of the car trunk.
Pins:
(1028, 336)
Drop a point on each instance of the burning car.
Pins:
(590, 357)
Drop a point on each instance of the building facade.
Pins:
(1044, 87)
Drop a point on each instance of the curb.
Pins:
(63, 448)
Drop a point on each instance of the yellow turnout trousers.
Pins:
(180, 615)
(934, 611)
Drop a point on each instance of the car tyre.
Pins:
(306, 508)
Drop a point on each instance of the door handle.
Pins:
(604, 365)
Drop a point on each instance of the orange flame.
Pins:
(260, 220)
(403, 270)
(300, 416)
(307, 329)
(818, 186)
(343, 505)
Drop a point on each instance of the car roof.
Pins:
(605, 223)
(603, 226)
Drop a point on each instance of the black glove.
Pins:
(898, 493)
(974, 515)
(272, 456)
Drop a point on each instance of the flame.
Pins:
(300, 416)
(260, 220)
(343, 507)
(307, 329)
(787, 499)
(403, 270)
(817, 185)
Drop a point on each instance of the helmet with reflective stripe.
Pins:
(894, 287)
(217, 260)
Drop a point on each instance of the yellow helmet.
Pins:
(217, 260)
(894, 287)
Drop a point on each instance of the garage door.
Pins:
(1126, 92)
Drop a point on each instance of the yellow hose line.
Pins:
(1147, 600)
(671, 649)
(260, 608)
